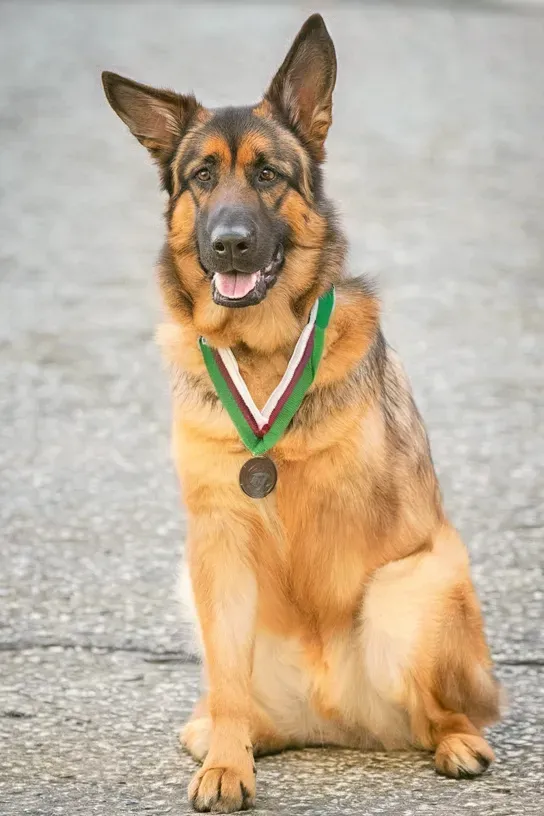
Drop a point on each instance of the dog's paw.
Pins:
(463, 756)
(223, 790)
(195, 737)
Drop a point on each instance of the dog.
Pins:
(338, 609)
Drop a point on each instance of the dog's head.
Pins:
(246, 208)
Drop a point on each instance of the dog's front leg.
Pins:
(225, 591)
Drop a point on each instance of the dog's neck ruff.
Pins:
(260, 430)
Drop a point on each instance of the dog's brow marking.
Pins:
(251, 145)
(217, 146)
(289, 146)
(187, 151)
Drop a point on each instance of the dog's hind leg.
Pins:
(195, 735)
(424, 652)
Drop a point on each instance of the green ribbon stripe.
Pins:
(259, 445)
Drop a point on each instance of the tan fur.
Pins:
(367, 632)
(365, 604)
(339, 609)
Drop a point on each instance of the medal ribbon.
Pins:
(259, 431)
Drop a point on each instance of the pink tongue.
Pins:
(235, 284)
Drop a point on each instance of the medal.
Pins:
(258, 477)
(260, 430)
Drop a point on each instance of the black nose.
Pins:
(232, 242)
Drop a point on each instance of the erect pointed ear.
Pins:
(157, 118)
(302, 88)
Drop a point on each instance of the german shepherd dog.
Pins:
(338, 610)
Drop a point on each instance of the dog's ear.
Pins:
(302, 88)
(157, 118)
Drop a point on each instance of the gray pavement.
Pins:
(437, 159)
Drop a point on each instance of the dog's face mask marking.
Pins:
(244, 183)
(236, 179)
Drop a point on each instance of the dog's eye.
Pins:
(203, 174)
(267, 174)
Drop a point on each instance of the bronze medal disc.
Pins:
(258, 477)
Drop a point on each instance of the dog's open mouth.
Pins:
(236, 289)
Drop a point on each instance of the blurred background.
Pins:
(436, 160)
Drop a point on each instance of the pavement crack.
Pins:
(149, 656)
(520, 662)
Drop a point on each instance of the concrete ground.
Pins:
(437, 160)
